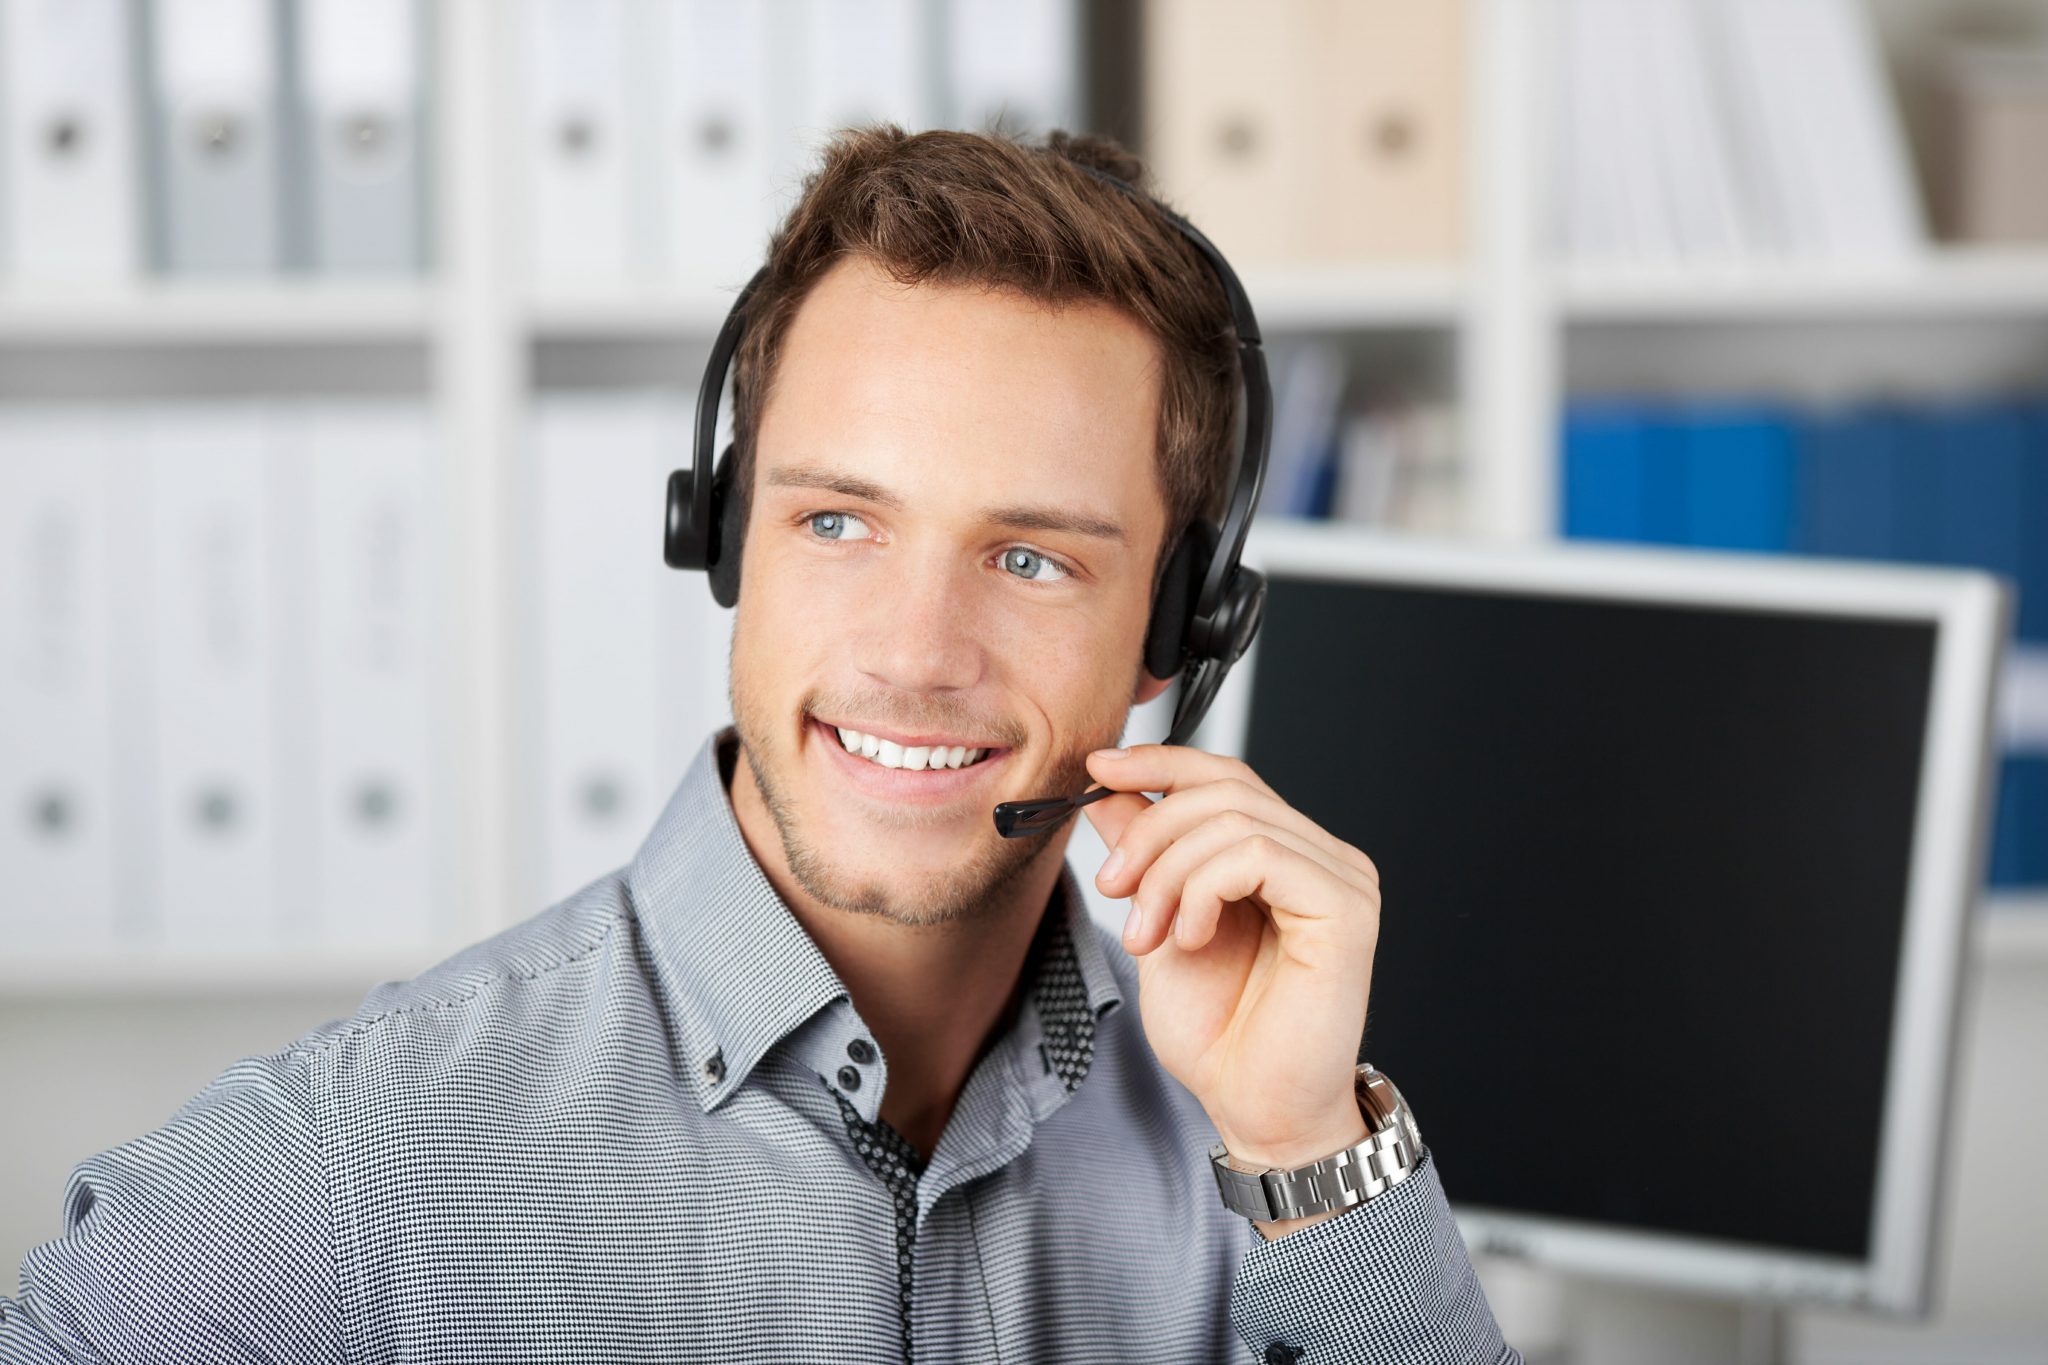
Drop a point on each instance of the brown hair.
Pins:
(989, 209)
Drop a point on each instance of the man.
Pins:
(831, 1070)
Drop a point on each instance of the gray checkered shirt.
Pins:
(645, 1126)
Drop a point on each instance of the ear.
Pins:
(1148, 688)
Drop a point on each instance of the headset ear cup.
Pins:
(1166, 637)
(728, 534)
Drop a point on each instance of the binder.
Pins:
(216, 137)
(724, 166)
(359, 134)
(1606, 471)
(1012, 64)
(1234, 131)
(1978, 512)
(1389, 78)
(57, 827)
(867, 63)
(376, 816)
(68, 206)
(577, 109)
(1852, 473)
(597, 507)
(214, 710)
(1740, 479)
(2033, 603)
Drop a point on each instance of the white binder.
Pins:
(67, 115)
(376, 811)
(868, 62)
(721, 159)
(214, 719)
(358, 133)
(597, 518)
(216, 136)
(1013, 64)
(577, 130)
(57, 835)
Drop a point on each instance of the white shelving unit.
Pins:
(1507, 316)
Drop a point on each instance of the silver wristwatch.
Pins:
(1352, 1176)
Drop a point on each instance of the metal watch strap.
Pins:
(1338, 1181)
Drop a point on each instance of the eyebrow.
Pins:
(1018, 516)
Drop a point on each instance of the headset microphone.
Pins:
(1207, 607)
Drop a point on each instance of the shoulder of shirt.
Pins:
(533, 953)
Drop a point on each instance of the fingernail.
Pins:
(1113, 865)
(1134, 925)
(1110, 753)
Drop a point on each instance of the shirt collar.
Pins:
(734, 966)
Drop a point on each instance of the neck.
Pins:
(935, 995)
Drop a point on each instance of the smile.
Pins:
(889, 754)
(910, 769)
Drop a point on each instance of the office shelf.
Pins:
(150, 312)
(1943, 284)
(130, 972)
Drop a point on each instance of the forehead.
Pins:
(964, 382)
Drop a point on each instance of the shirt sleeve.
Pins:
(1388, 1280)
(208, 1239)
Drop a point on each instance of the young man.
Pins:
(831, 1069)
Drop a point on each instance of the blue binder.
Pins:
(2033, 603)
(1604, 470)
(1740, 481)
(1850, 483)
(1977, 513)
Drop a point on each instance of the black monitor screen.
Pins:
(1644, 876)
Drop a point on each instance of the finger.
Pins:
(1158, 896)
(1151, 831)
(1294, 888)
(1167, 768)
(1113, 814)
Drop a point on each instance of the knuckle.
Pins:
(1232, 822)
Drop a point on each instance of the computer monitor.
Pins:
(1678, 854)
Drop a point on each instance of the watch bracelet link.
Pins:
(1338, 1181)
(1349, 1177)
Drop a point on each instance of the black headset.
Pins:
(1206, 609)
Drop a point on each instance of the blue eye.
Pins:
(1032, 566)
(836, 525)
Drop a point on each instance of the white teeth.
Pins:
(916, 758)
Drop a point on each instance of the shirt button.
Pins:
(861, 1050)
(714, 1067)
(849, 1078)
(1280, 1353)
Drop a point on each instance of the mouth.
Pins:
(897, 767)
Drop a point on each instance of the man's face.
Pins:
(956, 514)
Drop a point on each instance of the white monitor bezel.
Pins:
(1972, 615)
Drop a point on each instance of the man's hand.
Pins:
(1254, 928)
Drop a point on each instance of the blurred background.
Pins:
(345, 346)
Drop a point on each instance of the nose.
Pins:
(925, 633)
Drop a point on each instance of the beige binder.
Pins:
(1323, 131)
(1391, 95)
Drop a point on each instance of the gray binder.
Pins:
(360, 130)
(215, 136)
